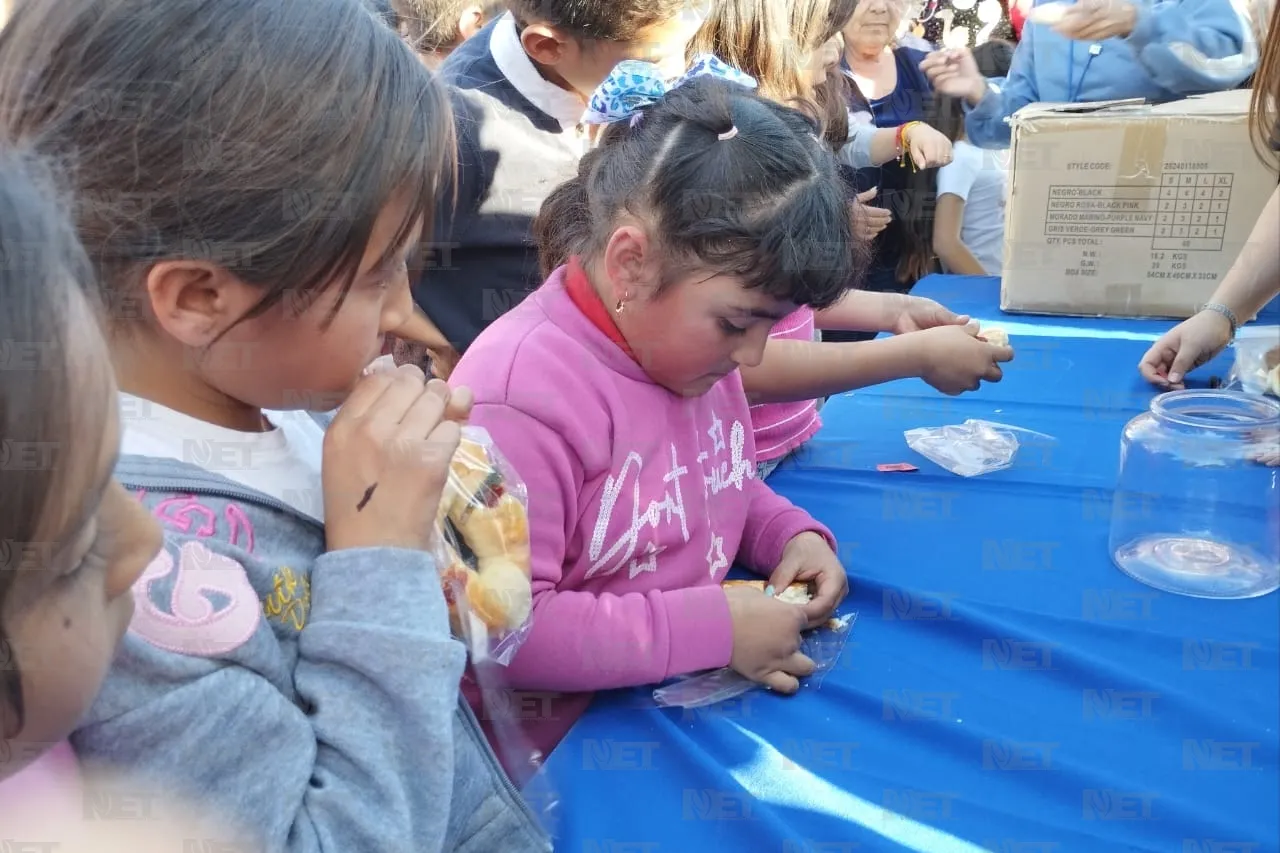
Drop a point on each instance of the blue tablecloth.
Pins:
(1005, 687)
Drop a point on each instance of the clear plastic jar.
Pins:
(1196, 508)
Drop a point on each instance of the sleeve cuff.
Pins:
(700, 631)
(350, 586)
(1144, 28)
(784, 527)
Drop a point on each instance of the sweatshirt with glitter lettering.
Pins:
(640, 500)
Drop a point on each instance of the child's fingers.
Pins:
(831, 590)
(799, 665)
(460, 403)
(780, 682)
(425, 412)
(370, 390)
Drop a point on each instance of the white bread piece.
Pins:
(797, 593)
(995, 335)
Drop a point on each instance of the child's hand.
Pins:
(766, 639)
(386, 460)
(809, 559)
(919, 313)
(954, 359)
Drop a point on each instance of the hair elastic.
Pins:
(636, 119)
(728, 134)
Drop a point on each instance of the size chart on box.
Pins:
(1186, 212)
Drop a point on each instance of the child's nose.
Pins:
(398, 307)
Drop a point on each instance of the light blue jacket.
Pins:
(1177, 48)
(310, 697)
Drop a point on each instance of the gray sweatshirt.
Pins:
(311, 697)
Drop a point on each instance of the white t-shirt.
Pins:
(283, 463)
(979, 176)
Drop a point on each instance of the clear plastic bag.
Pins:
(483, 544)
(822, 645)
(1257, 366)
(974, 447)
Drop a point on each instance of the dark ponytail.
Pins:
(728, 182)
(562, 227)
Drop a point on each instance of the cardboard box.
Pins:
(1129, 210)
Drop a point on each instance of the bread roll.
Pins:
(797, 593)
(995, 335)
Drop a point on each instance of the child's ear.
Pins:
(196, 301)
(629, 262)
(545, 45)
(471, 21)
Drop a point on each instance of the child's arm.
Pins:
(954, 254)
(805, 370)
(363, 760)
(870, 311)
(583, 641)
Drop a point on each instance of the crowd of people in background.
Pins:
(658, 236)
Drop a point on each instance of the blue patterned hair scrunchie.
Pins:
(633, 86)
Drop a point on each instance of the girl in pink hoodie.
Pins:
(704, 215)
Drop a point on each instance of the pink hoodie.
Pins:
(52, 783)
(640, 500)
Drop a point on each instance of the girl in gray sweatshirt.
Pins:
(250, 179)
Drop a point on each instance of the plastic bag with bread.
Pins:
(823, 645)
(1257, 364)
(484, 544)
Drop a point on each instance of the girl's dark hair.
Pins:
(431, 26)
(764, 205)
(1264, 122)
(265, 136)
(603, 20)
(993, 57)
(43, 273)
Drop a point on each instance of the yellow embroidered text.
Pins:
(290, 600)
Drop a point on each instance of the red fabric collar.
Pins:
(584, 295)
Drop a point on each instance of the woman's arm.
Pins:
(871, 146)
(954, 254)
(1254, 278)
(1252, 282)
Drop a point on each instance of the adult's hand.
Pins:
(1095, 20)
(955, 73)
(870, 221)
(928, 147)
(1185, 347)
